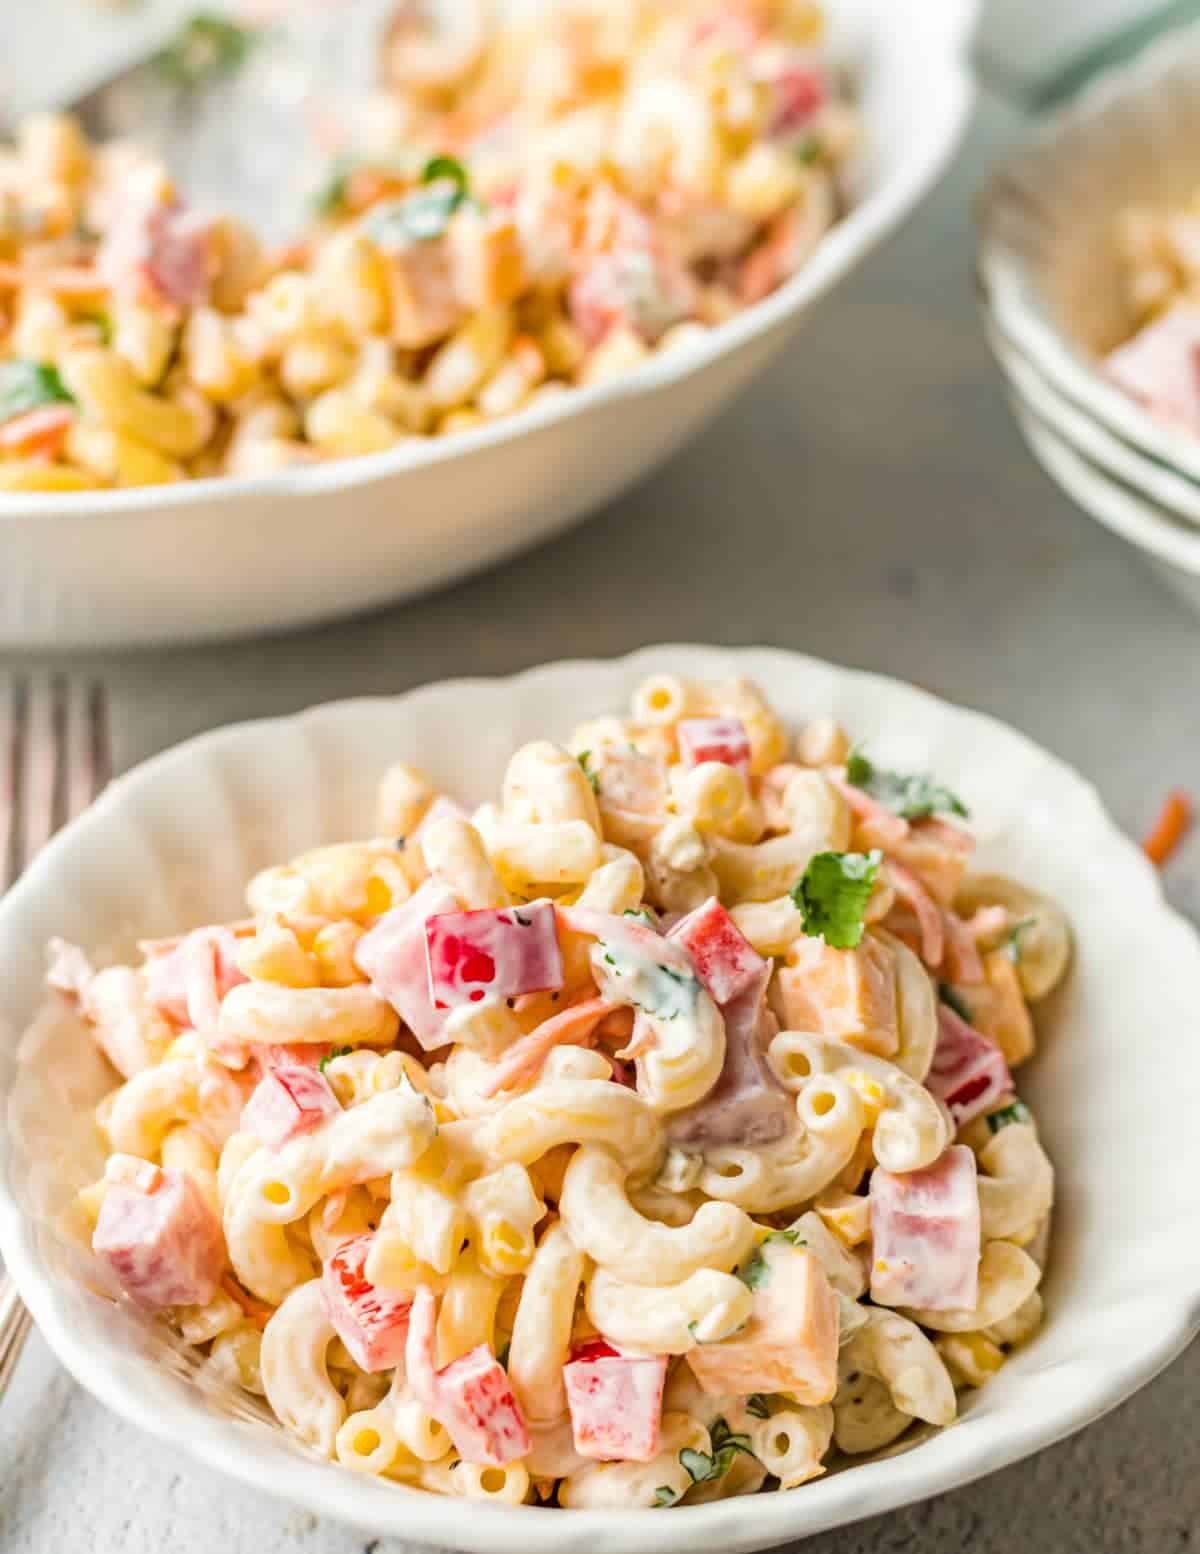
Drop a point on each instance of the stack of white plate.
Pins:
(1055, 302)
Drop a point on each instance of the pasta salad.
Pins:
(540, 203)
(647, 1136)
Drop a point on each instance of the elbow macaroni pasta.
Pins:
(608, 1159)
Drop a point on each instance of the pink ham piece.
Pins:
(188, 982)
(636, 287)
(161, 1239)
(499, 952)
(968, 1071)
(392, 955)
(1160, 366)
(372, 1324)
(164, 250)
(471, 1396)
(747, 1106)
(715, 739)
(798, 92)
(615, 1402)
(925, 1234)
(726, 962)
(293, 1098)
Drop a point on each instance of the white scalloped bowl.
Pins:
(171, 845)
(212, 558)
(1049, 278)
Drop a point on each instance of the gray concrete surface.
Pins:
(870, 501)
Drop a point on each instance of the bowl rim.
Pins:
(948, 27)
(953, 1458)
(1177, 497)
(1006, 282)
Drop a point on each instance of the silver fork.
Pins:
(54, 760)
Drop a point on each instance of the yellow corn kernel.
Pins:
(969, 1357)
(333, 950)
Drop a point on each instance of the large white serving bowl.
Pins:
(216, 557)
(1118, 1067)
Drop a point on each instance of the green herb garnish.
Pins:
(833, 895)
(665, 1495)
(700, 1466)
(585, 760)
(756, 1405)
(25, 385)
(954, 1001)
(1012, 945)
(207, 46)
(426, 212)
(1017, 1112)
(913, 796)
(337, 1052)
(808, 150)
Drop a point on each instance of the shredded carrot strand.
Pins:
(1169, 829)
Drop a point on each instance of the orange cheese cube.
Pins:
(790, 1343)
(847, 994)
(423, 300)
(489, 265)
(999, 1010)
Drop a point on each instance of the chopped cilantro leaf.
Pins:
(809, 150)
(336, 1052)
(449, 167)
(1012, 945)
(753, 1272)
(585, 760)
(756, 1406)
(665, 1495)
(330, 195)
(954, 1001)
(914, 796)
(26, 384)
(833, 895)
(207, 46)
(700, 1466)
(1017, 1112)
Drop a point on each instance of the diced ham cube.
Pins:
(715, 739)
(968, 1071)
(615, 1402)
(392, 955)
(847, 994)
(371, 1323)
(291, 1099)
(1160, 366)
(165, 250)
(184, 981)
(500, 951)
(629, 780)
(161, 1239)
(271, 1055)
(645, 291)
(790, 1343)
(747, 1106)
(798, 92)
(726, 962)
(925, 1234)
